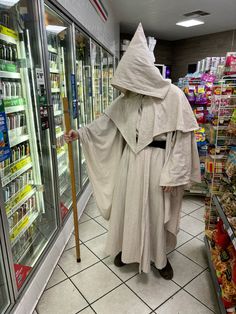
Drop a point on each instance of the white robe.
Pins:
(127, 175)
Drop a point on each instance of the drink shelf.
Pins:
(63, 189)
(23, 165)
(17, 140)
(59, 134)
(214, 278)
(28, 221)
(55, 90)
(62, 170)
(60, 154)
(58, 113)
(54, 70)
(10, 75)
(21, 202)
(26, 248)
(225, 220)
(13, 109)
(8, 39)
(15, 199)
(52, 50)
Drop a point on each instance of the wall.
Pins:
(191, 50)
(108, 33)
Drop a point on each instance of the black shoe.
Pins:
(167, 272)
(117, 261)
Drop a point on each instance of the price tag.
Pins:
(8, 32)
(20, 227)
(20, 164)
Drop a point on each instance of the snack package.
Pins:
(200, 95)
(232, 124)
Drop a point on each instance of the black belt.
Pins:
(158, 144)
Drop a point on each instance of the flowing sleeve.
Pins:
(182, 164)
(102, 145)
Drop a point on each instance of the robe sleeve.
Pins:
(182, 164)
(102, 145)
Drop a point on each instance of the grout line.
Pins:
(199, 301)
(95, 237)
(99, 223)
(192, 260)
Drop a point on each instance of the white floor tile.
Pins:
(199, 200)
(103, 222)
(195, 250)
(95, 281)
(92, 210)
(69, 264)
(183, 303)
(201, 236)
(57, 276)
(202, 289)
(90, 229)
(182, 214)
(97, 246)
(120, 301)
(184, 269)
(191, 225)
(152, 289)
(88, 310)
(71, 242)
(61, 299)
(125, 272)
(183, 237)
(199, 213)
(188, 206)
(84, 218)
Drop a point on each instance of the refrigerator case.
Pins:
(58, 43)
(110, 76)
(105, 80)
(96, 79)
(4, 290)
(29, 225)
(84, 90)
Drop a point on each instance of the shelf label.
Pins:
(5, 151)
(20, 164)
(19, 228)
(20, 196)
(8, 32)
(13, 102)
(7, 66)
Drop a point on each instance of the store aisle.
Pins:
(97, 286)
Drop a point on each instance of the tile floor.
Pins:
(97, 286)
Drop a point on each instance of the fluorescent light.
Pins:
(190, 23)
(8, 3)
(55, 29)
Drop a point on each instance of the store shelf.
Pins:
(13, 109)
(13, 176)
(54, 70)
(10, 75)
(28, 222)
(8, 39)
(55, 90)
(52, 50)
(27, 248)
(21, 202)
(214, 278)
(58, 113)
(63, 189)
(222, 215)
(62, 170)
(62, 153)
(17, 140)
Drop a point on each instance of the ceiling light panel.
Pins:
(190, 23)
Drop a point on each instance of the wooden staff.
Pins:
(72, 175)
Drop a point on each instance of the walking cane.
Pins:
(72, 175)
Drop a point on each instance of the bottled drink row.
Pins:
(55, 80)
(5, 18)
(16, 185)
(10, 89)
(17, 153)
(27, 208)
(24, 242)
(56, 101)
(52, 60)
(8, 51)
(16, 120)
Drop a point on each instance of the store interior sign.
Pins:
(99, 6)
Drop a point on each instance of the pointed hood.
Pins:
(136, 71)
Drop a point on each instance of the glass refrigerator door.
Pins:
(104, 79)
(58, 41)
(110, 76)
(4, 292)
(97, 79)
(84, 88)
(31, 221)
